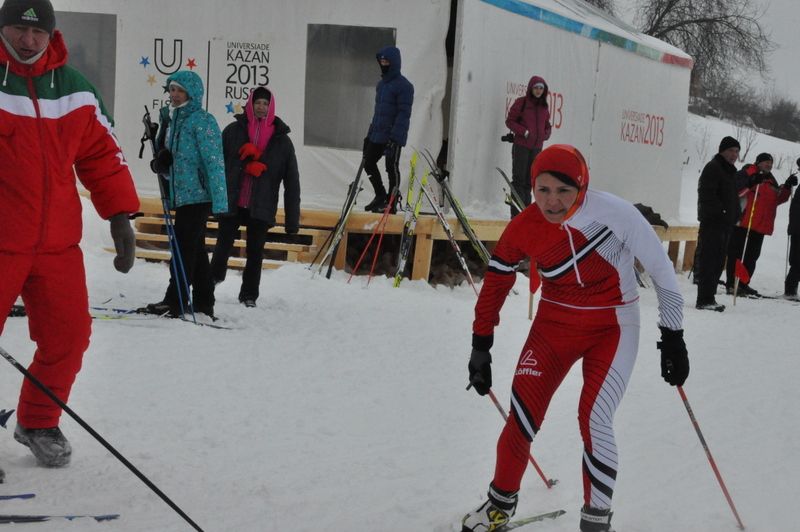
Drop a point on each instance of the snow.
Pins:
(336, 406)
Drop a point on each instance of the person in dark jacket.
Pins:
(717, 210)
(388, 131)
(793, 277)
(259, 156)
(761, 194)
(529, 119)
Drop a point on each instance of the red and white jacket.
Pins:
(759, 212)
(53, 126)
(585, 262)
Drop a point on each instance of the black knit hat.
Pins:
(36, 13)
(261, 93)
(728, 142)
(763, 157)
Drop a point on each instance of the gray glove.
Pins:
(124, 242)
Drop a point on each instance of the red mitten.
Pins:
(255, 168)
(249, 150)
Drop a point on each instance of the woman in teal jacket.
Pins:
(191, 163)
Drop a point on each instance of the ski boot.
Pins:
(596, 520)
(49, 446)
(379, 202)
(492, 514)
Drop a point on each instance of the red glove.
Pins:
(255, 168)
(249, 150)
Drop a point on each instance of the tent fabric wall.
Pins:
(605, 80)
(202, 31)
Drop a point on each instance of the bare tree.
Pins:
(746, 137)
(605, 5)
(720, 35)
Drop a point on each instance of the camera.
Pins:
(508, 137)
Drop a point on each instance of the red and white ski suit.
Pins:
(588, 310)
(52, 127)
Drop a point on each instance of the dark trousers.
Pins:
(190, 232)
(793, 277)
(521, 160)
(712, 248)
(754, 242)
(256, 236)
(372, 154)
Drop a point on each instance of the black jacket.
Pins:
(281, 167)
(717, 197)
(794, 215)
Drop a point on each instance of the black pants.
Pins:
(521, 160)
(372, 154)
(793, 277)
(256, 236)
(712, 248)
(754, 242)
(190, 233)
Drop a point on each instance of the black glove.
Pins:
(124, 242)
(674, 357)
(757, 179)
(480, 371)
(162, 161)
(791, 181)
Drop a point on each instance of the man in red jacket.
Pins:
(761, 195)
(52, 126)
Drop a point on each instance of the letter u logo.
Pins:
(176, 60)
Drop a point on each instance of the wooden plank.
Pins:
(233, 262)
(210, 241)
(423, 249)
(688, 255)
(672, 252)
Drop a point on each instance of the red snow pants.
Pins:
(607, 341)
(53, 288)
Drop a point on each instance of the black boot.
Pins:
(595, 520)
(379, 203)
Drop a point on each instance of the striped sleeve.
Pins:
(500, 277)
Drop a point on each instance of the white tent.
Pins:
(619, 96)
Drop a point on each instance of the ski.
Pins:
(107, 313)
(450, 235)
(444, 181)
(30, 518)
(512, 197)
(516, 523)
(328, 250)
(17, 496)
(409, 225)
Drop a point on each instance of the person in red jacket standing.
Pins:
(761, 194)
(529, 119)
(53, 126)
(584, 243)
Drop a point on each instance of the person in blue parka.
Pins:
(388, 131)
(191, 163)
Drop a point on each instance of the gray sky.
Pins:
(781, 20)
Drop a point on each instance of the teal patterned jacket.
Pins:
(197, 174)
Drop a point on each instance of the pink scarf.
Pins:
(260, 131)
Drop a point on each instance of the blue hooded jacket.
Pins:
(394, 96)
(197, 174)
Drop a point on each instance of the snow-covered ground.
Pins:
(336, 406)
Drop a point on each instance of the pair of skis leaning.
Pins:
(39, 518)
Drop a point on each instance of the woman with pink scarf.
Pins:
(259, 156)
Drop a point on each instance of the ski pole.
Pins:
(740, 269)
(549, 482)
(49, 393)
(710, 458)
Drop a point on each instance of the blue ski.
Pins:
(7, 519)
(17, 496)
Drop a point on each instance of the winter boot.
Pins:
(379, 202)
(162, 308)
(49, 446)
(492, 514)
(249, 302)
(710, 305)
(595, 520)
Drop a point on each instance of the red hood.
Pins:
(54, 56)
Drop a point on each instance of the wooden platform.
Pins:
(316, 224)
